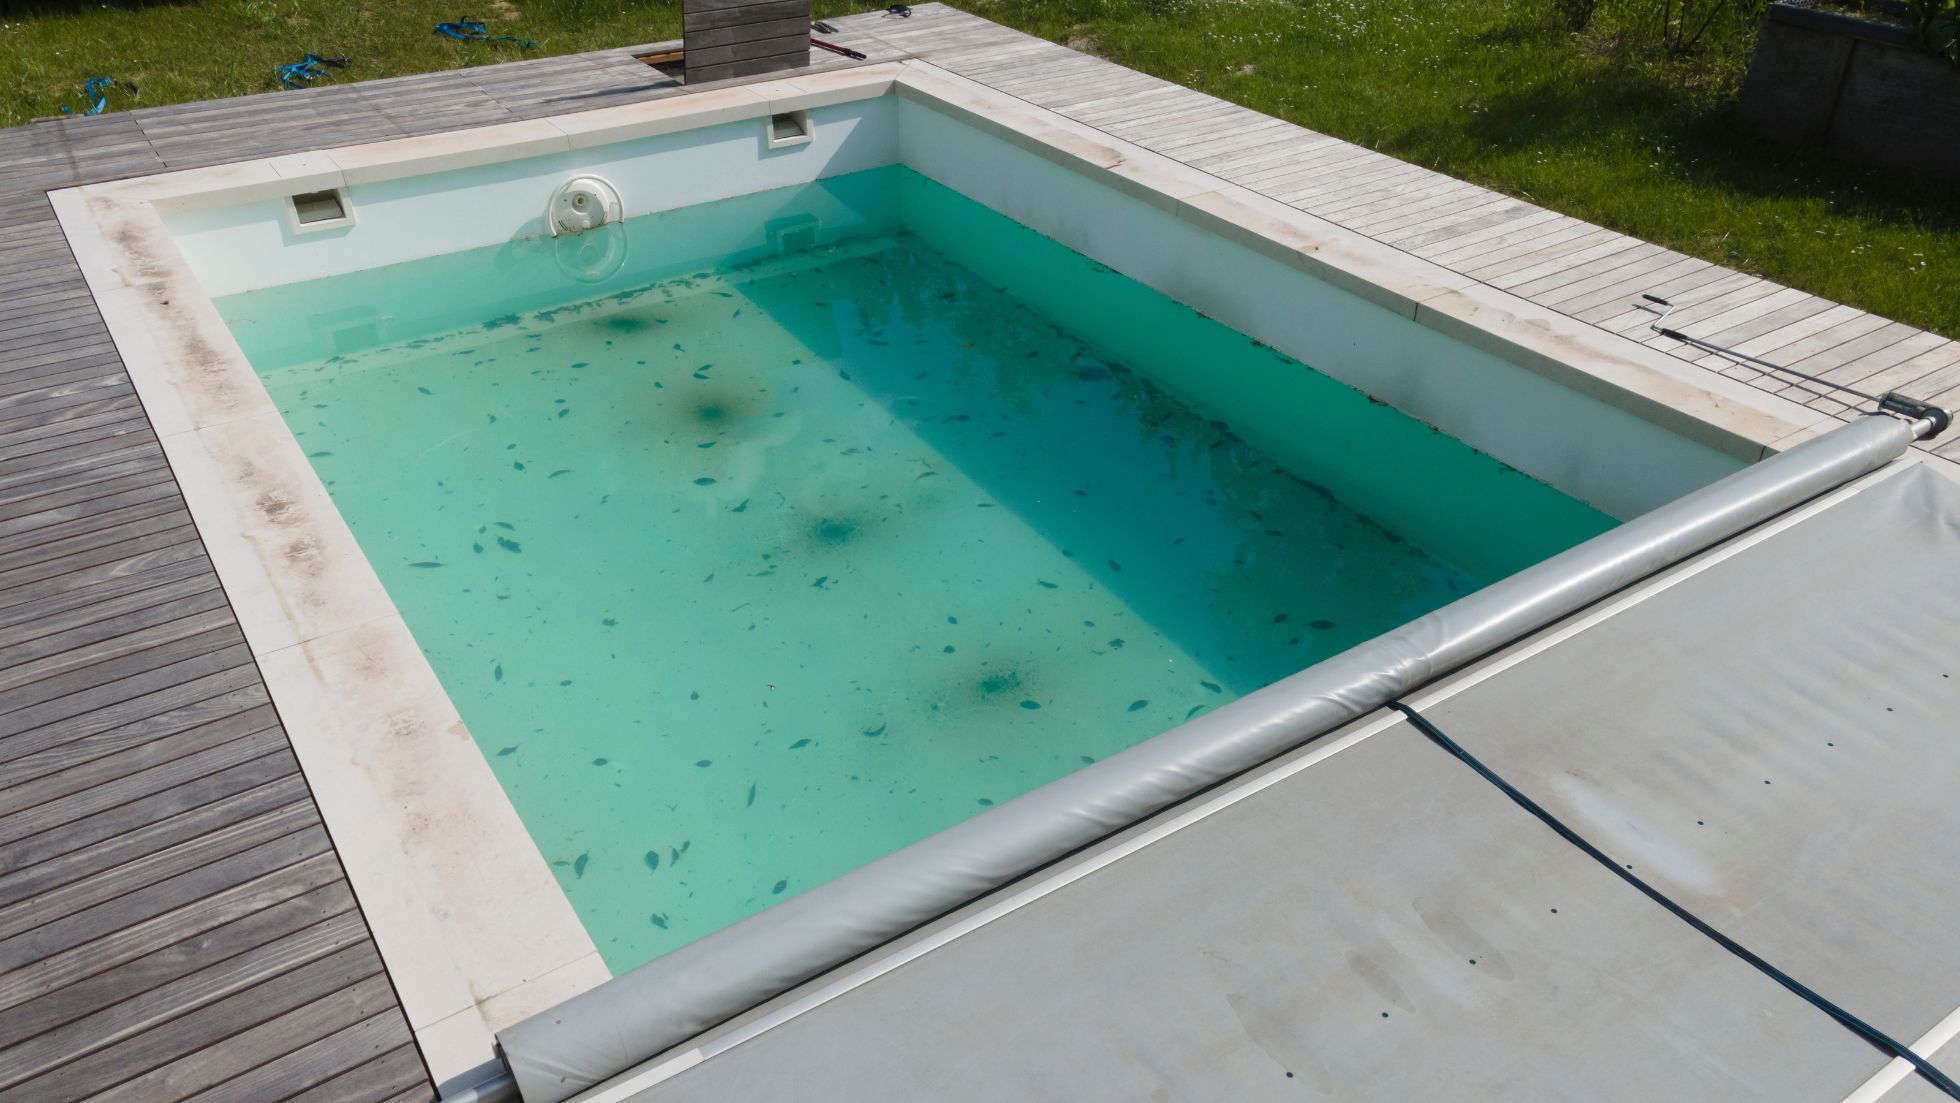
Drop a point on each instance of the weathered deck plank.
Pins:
(159, 852)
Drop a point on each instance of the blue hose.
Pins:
(311, 69)
(475, 30)
(97, 90)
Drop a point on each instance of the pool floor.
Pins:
(747, 576)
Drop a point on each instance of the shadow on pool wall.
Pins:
(1587, 447)
(1459, 504)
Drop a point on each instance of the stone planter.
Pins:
(1855, 87)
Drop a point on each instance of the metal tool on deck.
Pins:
(1891, 402)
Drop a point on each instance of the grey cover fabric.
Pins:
(558, 1053)
(1273, 938)
(1775, 744)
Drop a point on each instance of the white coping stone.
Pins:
(313, 163)
(93, 254)
(667, 115)
(194, 378)
(225, 185)
(1388, 278)
(468, 916)
(292, 569)
(831, 86)
(447, 151)
(1726, 414)
(465, 911)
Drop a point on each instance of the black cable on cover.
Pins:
(1877, 1038)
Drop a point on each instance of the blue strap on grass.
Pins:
(475, 30)
(311, 69)
(97, 90)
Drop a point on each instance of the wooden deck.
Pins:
(174, 922)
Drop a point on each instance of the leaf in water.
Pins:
(578, 865)
(426, 563)
(653, 860)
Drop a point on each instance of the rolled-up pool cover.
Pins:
(558, 1053)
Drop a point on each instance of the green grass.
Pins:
(203, 49)
(1599, 125)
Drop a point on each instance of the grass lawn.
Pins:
(1597, 124)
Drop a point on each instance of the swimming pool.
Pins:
(913, 465)
(752, 564)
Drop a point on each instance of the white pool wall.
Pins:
(1602, 455)
(253, 245)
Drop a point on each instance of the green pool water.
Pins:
(839, 514)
